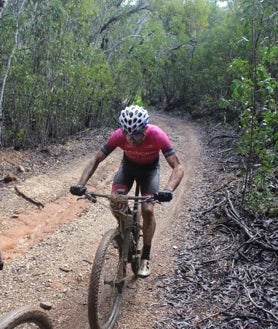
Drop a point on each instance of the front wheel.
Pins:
(27, 317)
(107, 282)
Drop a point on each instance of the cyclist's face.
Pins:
(135, 139)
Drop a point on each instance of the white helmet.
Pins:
(133, 119)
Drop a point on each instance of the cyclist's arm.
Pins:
(177, 173)
(91, 167)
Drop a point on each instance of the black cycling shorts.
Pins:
(147, 176)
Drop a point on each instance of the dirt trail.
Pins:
(49, 251)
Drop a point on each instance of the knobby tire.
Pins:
(107, 282)
(26, 315)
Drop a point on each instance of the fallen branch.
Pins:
(228, 247)
(233, 214)
(258, 306)
(214, 206)
(37, 203)
(223, 311)
(221, 136)
(223, 151)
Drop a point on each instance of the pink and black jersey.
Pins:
(155, 141)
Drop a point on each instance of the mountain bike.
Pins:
(118, 247)
(27, 317)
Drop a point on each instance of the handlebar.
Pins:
(92, 196)
(160, 196)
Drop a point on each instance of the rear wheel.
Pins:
(27, 317)
(107, 282)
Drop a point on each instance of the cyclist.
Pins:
(141, 143)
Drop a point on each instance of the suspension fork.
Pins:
(127, 236)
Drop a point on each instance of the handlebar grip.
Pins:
(163, 196)
(78, 189)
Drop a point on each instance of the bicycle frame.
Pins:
(108, 276)
(128, 224)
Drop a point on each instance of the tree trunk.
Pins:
(3, 4)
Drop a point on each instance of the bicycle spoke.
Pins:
(110, 284)
(107, 283)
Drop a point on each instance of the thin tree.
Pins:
(3, 4)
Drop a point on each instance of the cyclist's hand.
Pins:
(163, 196)
(78, 189)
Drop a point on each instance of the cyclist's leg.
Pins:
(149, 225)
(123, 182)
(149, 185)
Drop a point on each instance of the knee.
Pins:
(148, 213)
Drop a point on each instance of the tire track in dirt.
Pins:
(66, 233)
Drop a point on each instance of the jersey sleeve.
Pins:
(169, 151)
(166, 146)
(113, 141)
(106, 149)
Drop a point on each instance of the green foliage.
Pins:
(263, 200)
(253, 96)
(254, 92)
(138, 101)
(57, 83)
(67, 66)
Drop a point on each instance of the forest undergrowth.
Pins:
(229, 274)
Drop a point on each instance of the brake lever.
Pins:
(91, 197)
(151, 199)
(88, 196)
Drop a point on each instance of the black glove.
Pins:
(78, 189)
(163, 196)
